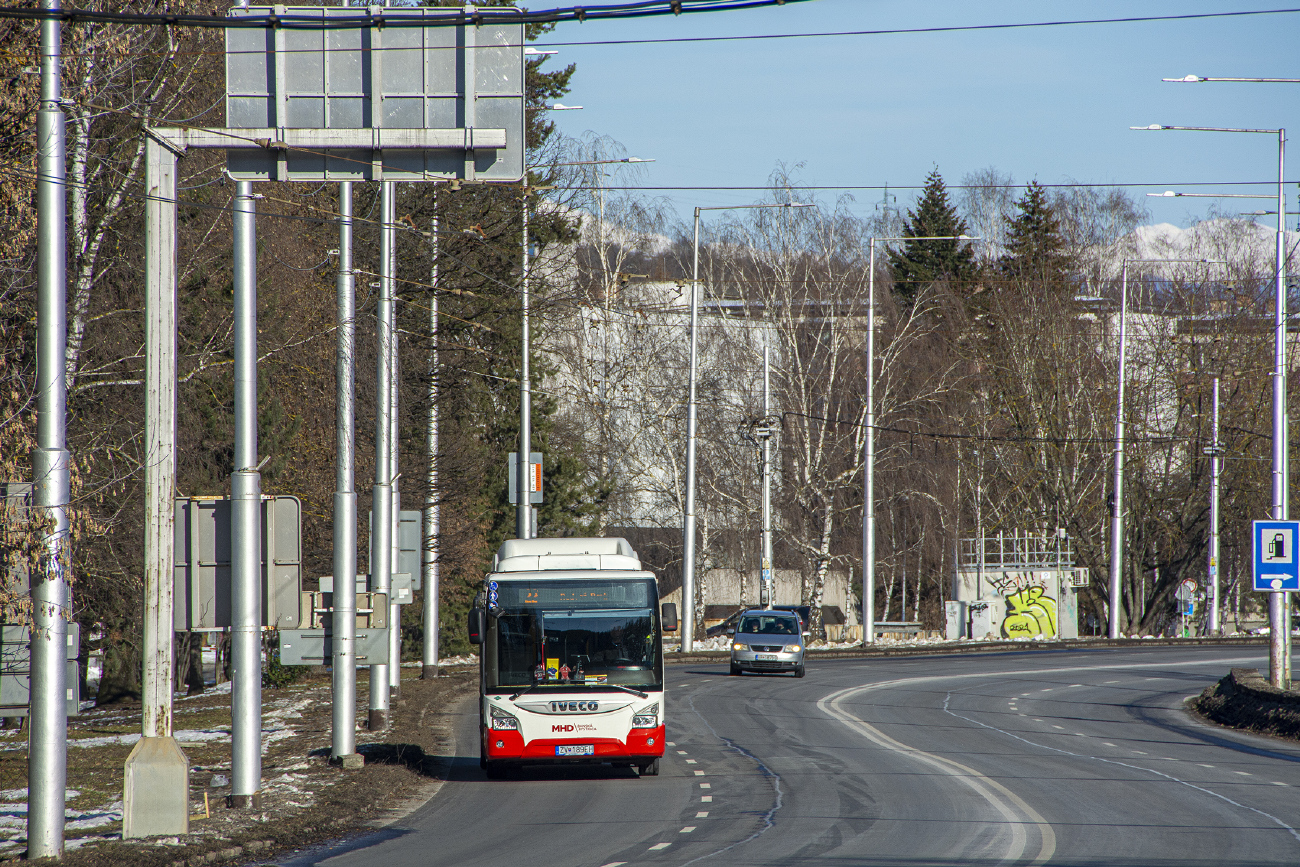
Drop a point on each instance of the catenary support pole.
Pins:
(156, 773)
(429, 547)
(1117, 506)
(869, 463)
(246, 521)
(688, 516)
(524, 508)
(1216, 465)
(381, 527)
(766, 575)
(47, 744)
(394, 453)
(344, 619)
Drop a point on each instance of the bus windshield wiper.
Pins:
(636, 692)
(524, 691)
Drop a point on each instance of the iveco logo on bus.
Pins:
(575, 706)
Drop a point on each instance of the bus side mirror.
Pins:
(476, 626)
(668, 615)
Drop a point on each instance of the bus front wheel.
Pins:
(650, 770)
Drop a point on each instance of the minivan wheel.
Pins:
(798, 672)
(735, 669)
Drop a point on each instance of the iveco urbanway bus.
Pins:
(571, 656)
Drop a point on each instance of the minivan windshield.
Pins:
(769, 624)
(586, 633)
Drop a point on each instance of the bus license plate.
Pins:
(575, 750)
(765, 656)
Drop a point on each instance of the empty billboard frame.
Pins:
(380, 70)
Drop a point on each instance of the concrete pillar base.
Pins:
(245, 802)
(378, 720)
(156, 790)
(350, 762)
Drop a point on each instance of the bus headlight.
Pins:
(502, 721)
(647, 717)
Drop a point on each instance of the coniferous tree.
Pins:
(1036, 248)
(919, 263)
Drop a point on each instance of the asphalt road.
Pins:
(1067, 758)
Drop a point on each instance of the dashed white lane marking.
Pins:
(1036, 719)
(1199, 765)
(659, 846)
(688, 829)
(614, 864)
(708, 799)
(1243, 773)
(1075, 685)
(699, 773)
(691, 762)
(1139, 752)
(1107, 744)
(1024, 695)
(703, 814)
(706, 785)
(1276, 783)
(1046, 689)
(1112, 681)
(671, 744)
(1062, 728)
(681, 752)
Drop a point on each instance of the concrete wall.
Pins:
(736, 587)
(1028, 603)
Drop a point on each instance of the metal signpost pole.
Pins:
(381, 525)
(1279, 603)
(869, 463)
(523, 509)
(344, 619)
(47, 744)
(688, 520)
(1216, 464)
(429, 550)
(245, 521)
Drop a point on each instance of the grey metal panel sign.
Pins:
(410, 539)
(315, 646)
(534, 477)
(318, 610)
(378, 67)
(15, 670)
(203, 562)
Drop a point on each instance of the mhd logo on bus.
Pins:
(1276, 565)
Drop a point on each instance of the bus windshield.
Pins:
(569, 633)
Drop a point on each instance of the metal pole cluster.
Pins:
(1117, 508)
(688, 520)
(1279, 607)
(768, 588)
(524, 508)
(47, 745)
(429, 551)
(869, 463)
(1216, 465)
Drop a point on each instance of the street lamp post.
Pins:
(869, 442)
(688, 517)
(1278, 603)
(1117, 510)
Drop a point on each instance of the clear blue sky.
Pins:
(1052, 103)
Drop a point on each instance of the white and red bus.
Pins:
(571, 656)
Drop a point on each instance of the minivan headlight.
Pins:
(737, 646)
(792, 648)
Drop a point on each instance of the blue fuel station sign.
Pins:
(1276, 564)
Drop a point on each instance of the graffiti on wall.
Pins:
(1030, 613)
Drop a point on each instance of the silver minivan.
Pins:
(768, 640)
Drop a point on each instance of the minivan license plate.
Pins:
(575, 750)
(765, 656)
